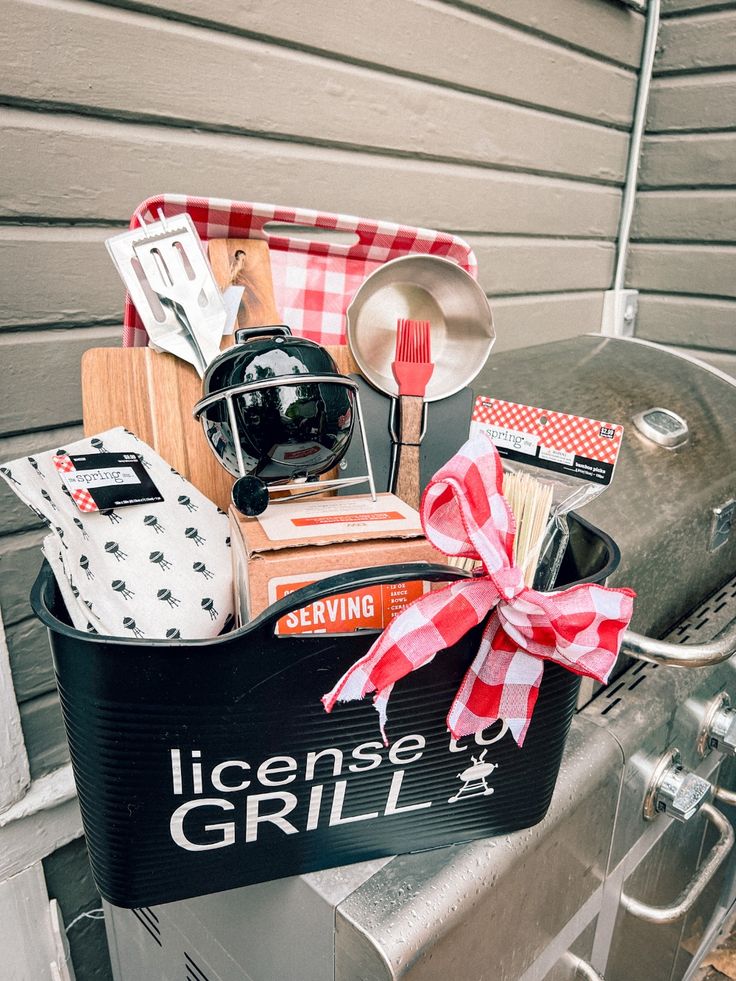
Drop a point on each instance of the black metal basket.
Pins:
(205, 765)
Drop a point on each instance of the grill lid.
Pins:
(669, 508)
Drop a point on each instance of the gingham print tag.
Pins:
(556, 441)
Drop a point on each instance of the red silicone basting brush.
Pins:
(412, 370)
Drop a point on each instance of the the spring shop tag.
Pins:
(103, 481)
(557, 441)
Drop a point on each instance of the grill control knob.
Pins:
(674, 791)
(719, 727)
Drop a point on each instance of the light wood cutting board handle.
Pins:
(410, 427)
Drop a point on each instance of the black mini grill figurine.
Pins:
(276, 411)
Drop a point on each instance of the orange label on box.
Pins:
(333, 519)
(344, 613)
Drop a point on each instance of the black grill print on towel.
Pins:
(34, 464)
(159, 559)
(119, 586)
(136, 564)
(129, 624)
(193, 535)
(10, 476)
(81, 527)
(114, 549)
(165, 596)
(208, 604)
(45, 495)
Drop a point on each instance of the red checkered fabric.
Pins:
(464, 513)
(315, 280)
(63, 464)
(83, 500)
(81, 497)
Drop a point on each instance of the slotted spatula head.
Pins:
(413, 366)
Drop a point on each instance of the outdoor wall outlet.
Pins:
(619, 313)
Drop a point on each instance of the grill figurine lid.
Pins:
(277, 414)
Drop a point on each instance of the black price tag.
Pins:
(103, 481)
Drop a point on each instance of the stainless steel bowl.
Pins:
(421, 287)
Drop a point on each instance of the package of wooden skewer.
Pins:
(554, 462)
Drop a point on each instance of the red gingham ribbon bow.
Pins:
(464, 513)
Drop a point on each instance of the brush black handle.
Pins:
(411, 408)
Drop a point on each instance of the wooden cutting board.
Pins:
(246, 262)
(152, 393)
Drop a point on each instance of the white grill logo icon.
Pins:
(475, 778)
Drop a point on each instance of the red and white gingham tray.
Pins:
(314, 280)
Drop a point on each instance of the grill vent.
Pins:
(149, 920)
(194, 971)
(713, 614)
(698, 628)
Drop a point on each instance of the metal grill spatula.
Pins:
(175, 268)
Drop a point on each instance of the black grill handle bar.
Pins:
(721, 648)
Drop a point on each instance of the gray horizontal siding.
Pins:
(683, 258)
(451, 45)
(694, 321)
(124, 162)
(43, 733)
(675, 7)
(687, 160)
(46, 364)
(605, 31)
(608, 30)
(504, 123)
(301, 96)
(30, 660)
(697, 43)
(690, 215)
(700, 270)
(693, 103)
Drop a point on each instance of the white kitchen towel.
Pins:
(146, 570)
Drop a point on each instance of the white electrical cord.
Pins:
(637, 134)
(89, 914)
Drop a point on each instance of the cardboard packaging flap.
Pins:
(328, 521)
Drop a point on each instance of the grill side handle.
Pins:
(643, 648)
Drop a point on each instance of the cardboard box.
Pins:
(296, 543)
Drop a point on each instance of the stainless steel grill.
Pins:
(623, 879)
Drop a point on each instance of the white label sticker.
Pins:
(512, 439)
(339, 517)
(556, 456)
(103, 477)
